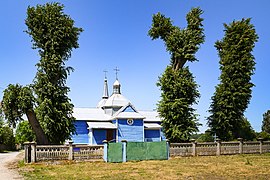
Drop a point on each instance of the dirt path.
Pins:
(8, 163)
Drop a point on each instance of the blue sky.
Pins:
(115, 34)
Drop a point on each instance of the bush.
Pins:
(264, 135)
(7, 138)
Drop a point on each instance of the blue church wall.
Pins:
(152, 135)
(99, 135)
(82, 133)
(132, 133)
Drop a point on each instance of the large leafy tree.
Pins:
(19, 100)
(266, 122)
(233, 94)
(54, 35)
(179, 89)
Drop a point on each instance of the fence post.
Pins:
(168, 148)
(218, 141)
(70, 155)
(105, 150)
(240, 145)
(261, 145)
(33, 152)
(193, 147)
(27, 152)
(124, 152)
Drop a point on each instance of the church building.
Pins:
(115, 119)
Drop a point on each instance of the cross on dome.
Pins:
(116, 72)
(105, 73)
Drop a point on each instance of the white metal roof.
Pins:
(94, 114)
(126, 115)
(116, 100)
(101, 103)
(152, 126)
(150, 116)
(98, 114)
(101, 125)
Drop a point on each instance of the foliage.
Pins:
(16, 101)
(7, 137)
(24, 133)
(182, 44)
(246, 132)
(203, 137)
(264, 135)
(206, 137)
(179, 89)
(266, 122)
(233, 94)
(179, 92)
(46, 103)
(55, 38)
(6, 134)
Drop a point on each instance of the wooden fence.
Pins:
(219, 148)
(35, 153)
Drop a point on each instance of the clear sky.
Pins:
(115, 34)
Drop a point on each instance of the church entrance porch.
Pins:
(99, 135)
(100, 131)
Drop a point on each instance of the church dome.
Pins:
(116, 100)
(101, 103)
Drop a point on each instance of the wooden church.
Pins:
(115, 119)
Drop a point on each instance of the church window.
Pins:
(130, 121)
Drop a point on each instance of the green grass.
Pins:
(203, 167)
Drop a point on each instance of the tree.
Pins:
(18, 100)
(179, 89)
(182, 44)
(54, 35)
(24, 133)
(55, 38)
(233, 94)
(266, 122)
(6, 134)
(206, 137)
(246, 132)
(179, 92)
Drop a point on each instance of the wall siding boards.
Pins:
(131, 133)
(152, 135)
(99, 135)
(82, 133)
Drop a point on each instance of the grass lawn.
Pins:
(203, 167)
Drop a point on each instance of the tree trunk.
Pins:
(41, 137)
(178, 64)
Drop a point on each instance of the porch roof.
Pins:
(101, 125)
(152, 126)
